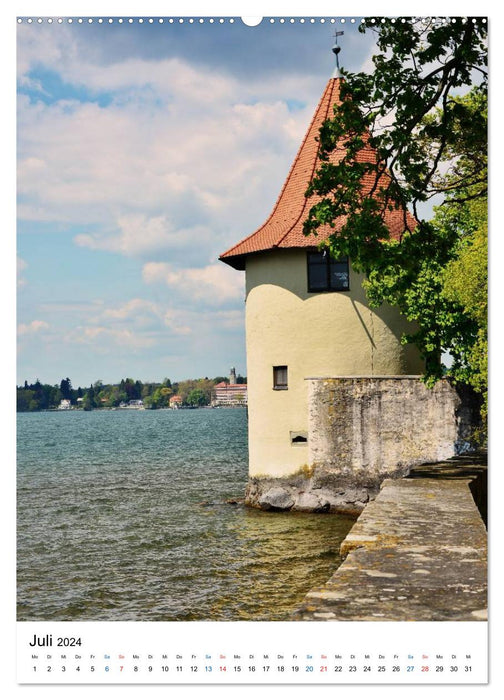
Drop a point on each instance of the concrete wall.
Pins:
(314, 334)
(366, 427)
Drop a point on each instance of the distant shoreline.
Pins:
(74, 409)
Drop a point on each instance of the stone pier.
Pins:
(418, 552)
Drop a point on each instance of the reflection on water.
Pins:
(111, 524)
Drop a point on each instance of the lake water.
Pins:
(111, 524)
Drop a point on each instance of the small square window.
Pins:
(325, 274)
(280, 377)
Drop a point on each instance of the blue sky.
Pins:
(145, 151)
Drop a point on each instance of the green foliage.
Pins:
(88, 403)
(37, 396)
(465, 282)
(114, 396)
(90, 400)
(196, 397)
(66, 388)
(239, 379)
(430, 139)
(202, 387)
(159, 398)
(25, 399)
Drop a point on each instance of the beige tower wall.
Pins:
(314, 334)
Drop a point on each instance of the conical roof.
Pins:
(284, 226)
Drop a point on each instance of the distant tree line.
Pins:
(192, 392)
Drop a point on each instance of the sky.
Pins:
(145, 150)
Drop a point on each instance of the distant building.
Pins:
(175, 401)
(133, 403)
(65, 405)
(231, 394)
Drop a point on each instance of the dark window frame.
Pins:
(277, 386)
(327, 261)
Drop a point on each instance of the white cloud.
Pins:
(140, 235)
(131, 309)
(21, 265)
(64, 50)
(177, 152)
(172, 169)
(214, 284)
(101, 335)
(177, 322)
(142, 313)
(32, 327)
(46, 47)
(230, 319)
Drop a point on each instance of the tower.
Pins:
(307, 317)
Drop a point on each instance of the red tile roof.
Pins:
(284, 227)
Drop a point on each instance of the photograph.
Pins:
(252, 321)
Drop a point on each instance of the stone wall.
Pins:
(367, 427)
(362, 430)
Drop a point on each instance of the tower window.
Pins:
(280, 377)
(325, 274)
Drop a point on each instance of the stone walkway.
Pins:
(418, 552)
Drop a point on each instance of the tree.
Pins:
(184, 389)
(430, 139)
(197, 397)
(465, 282)
(132, 388)
(219, 380)
(160, 398)
(88, 403)
(89, 399)
(25, 399)
(115, 397)
(66, 388)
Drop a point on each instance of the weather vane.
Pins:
(336, 49)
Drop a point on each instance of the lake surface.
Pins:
(111, 524)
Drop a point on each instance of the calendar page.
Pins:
(252, 339)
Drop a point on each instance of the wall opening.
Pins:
(298, 438)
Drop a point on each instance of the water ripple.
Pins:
(109, 526)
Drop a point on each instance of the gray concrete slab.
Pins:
(418, 552)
